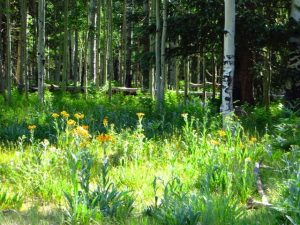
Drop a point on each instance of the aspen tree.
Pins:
(8, 52)
(229, 57)
(41, 50)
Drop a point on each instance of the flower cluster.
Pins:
(65, 114)
(79, 116)
(105, 138)
(31, 127)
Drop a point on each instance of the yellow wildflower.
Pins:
(215, 142)
(65, 114)
(140, 115)
(71, 122)
(31, 127)
(221, 133)
(253, 139)
(79, 116)
(184, 115)
(55, 115)
(104, 138)
(80, 131)
(86, 127)
(105, 122)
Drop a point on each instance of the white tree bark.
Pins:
(163, 53)
(8, 52)
(229, 58)
(41, 50)
(158, 77)
(92, 28)
(66, 45)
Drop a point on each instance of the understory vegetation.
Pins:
(78, 161)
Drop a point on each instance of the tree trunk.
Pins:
(2, 76)
(243, 80)
(66, 47)
(109, 55)
(163, 53)
(186, 72)
(229, 57)
(92, 28)
(98, 45)
(76, 58)
(104, 61)
(158, 78)
(128, 71)
(8, 52)
(146, 46)
(152, 49)
(41, 50)
(267, 79)
(204, 76)
(292, 85)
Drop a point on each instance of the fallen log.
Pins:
(193, 85)
(251, 203)
(125, 90)
(56, 88)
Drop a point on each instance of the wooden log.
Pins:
(251, 203)
(125, 90)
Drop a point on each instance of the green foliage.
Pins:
(9, 201)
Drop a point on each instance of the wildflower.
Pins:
(71, 122)
(65, 114)
(55, 115)
(221, 133)
(105, 122)
(215, 142)
(84, 143)
(45, 143)
(86, 127)
(253, 139)
(80, 131)
(184, 115)
(248, 159)
(105, 138)
(140, 114)
(79, 116)
(31, 127)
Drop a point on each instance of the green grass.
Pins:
(177, 166)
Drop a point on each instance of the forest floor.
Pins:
(91, 161)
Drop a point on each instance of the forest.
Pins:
(145, 112)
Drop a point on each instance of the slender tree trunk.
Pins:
(146, 46)
(267, 79)
(23, 6)
(41, 50)
(186, 72)
(8, 52)
(214, 73)
(152, 49)
(98, 45)
(128, 72)
(66, 47)
(76, 55)
(105, 38)
(229, 56)
(204, 76)
(18, 77)
(110, 56)
(92, 28)
(2, 76)
(163, 53)
(159, 78)
(292, 85)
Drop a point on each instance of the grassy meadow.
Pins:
(78, 161)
